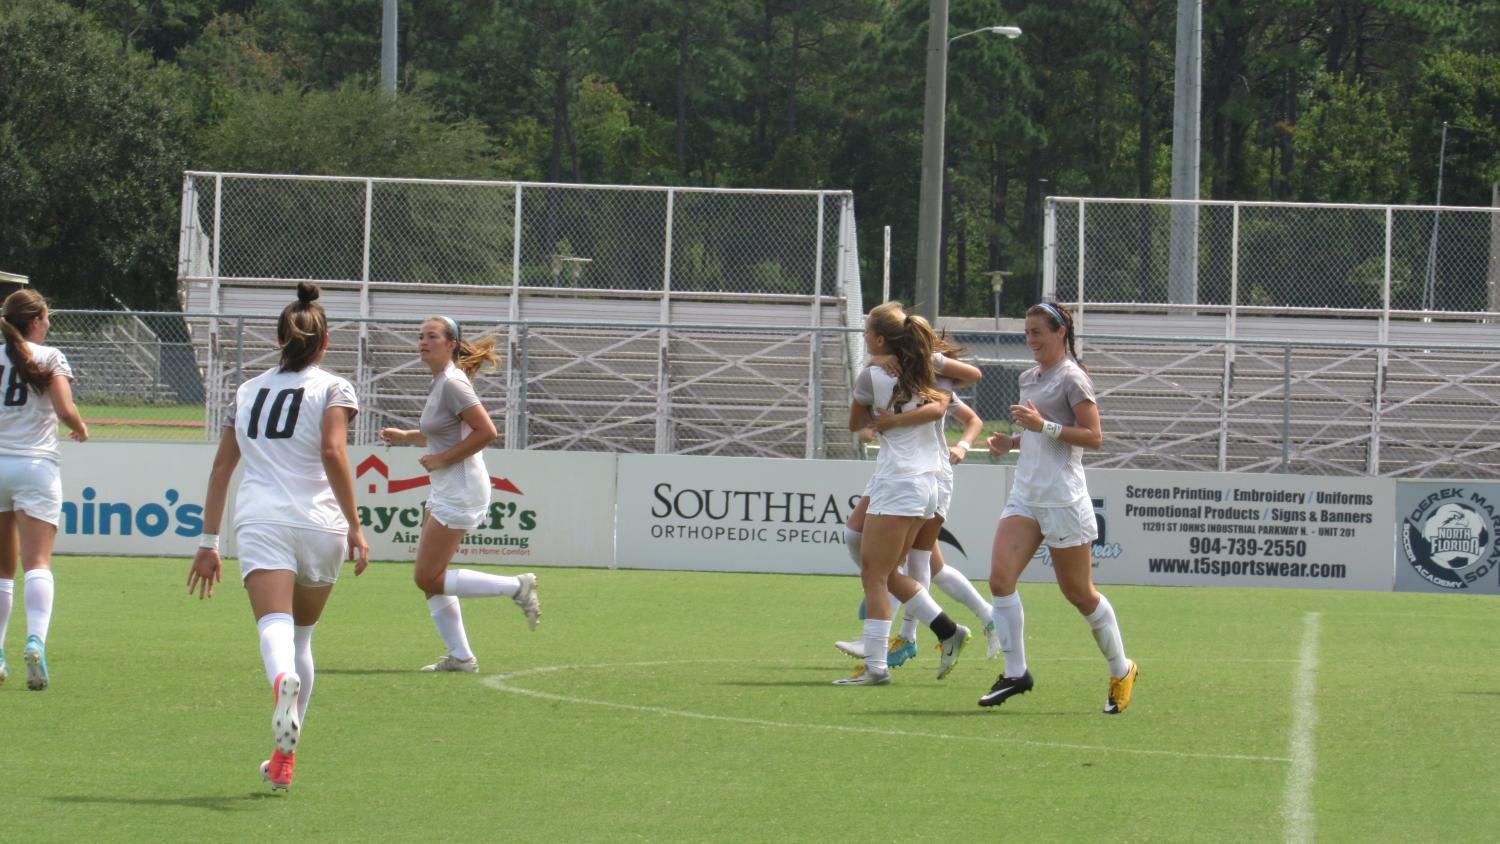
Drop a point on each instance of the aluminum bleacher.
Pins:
(662, 320)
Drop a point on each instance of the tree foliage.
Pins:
(104, 102)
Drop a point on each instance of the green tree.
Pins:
(92, 147)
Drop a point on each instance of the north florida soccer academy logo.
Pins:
(1451, 541)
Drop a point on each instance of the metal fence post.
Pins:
(521, 411)
(362, 428)
(1078, 314)
(664, 438)
(1383, 355)
(814, 445)
(1286, 406)
(512, 382)
(239, 351)
(1049, 250)
(815, 393)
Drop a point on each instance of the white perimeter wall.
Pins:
(762, 515)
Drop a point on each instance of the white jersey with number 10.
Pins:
(277, 418)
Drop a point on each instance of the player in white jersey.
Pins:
(294, 512)
(37, 388)
(903, 489)
(924, 562)
(456, 428)
(1049, 502)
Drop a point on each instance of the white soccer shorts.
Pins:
(1062, 527)
(456, 516)
(33, 485)
(314, 556)
(914, 495)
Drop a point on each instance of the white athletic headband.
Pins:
(1061, 320)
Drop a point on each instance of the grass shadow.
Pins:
(767, 683)
(213, 803)
(968, 713)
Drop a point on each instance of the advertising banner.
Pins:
(546, 509)
(133, 498)
(1238, 529)
(759, 515)
(1445, 537)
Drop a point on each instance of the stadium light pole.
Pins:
(1429, 289)
(388, 47)
(934, 112)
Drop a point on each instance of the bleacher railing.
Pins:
(1310, 407)
(1381, 261)
(435, 232)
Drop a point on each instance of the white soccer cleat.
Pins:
(951, 647)
(4, 672)
(285, 726)
(864, 677)
(450, 663)
(992, 638)
(854, 648)
(526, 598)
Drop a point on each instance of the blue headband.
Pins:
(1061, 320)
(453, 326)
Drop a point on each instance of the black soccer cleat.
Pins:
(1006, 687)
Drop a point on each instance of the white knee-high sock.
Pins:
(956, 586)
(463, 583)
(302, 639)
(449, 620)
(877, 631)
(1010, 624)
(853, 541)
(922, 608)
(277, 649)
(918, 568)
(39, 587)
(7, 599)
(1107, 634)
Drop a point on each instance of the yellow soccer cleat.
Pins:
(1119, 691)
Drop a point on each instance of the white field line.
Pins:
(1297, 808)
(500, 682)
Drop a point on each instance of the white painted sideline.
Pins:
(1297, 806)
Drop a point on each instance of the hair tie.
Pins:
(453, 326)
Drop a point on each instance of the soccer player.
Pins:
(924, 562)
(904, 488)
(1049, 502)
(294, 514)
(455, 427)
(37, 386)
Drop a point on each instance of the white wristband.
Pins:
(209, 541)
(1052, 429)
(963, 444)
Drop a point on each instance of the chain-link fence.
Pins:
(1307, 407)
(1325, 408)
(1400, 261)
(245, 228)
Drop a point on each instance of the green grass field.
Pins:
(157, 421)
(660, 706)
